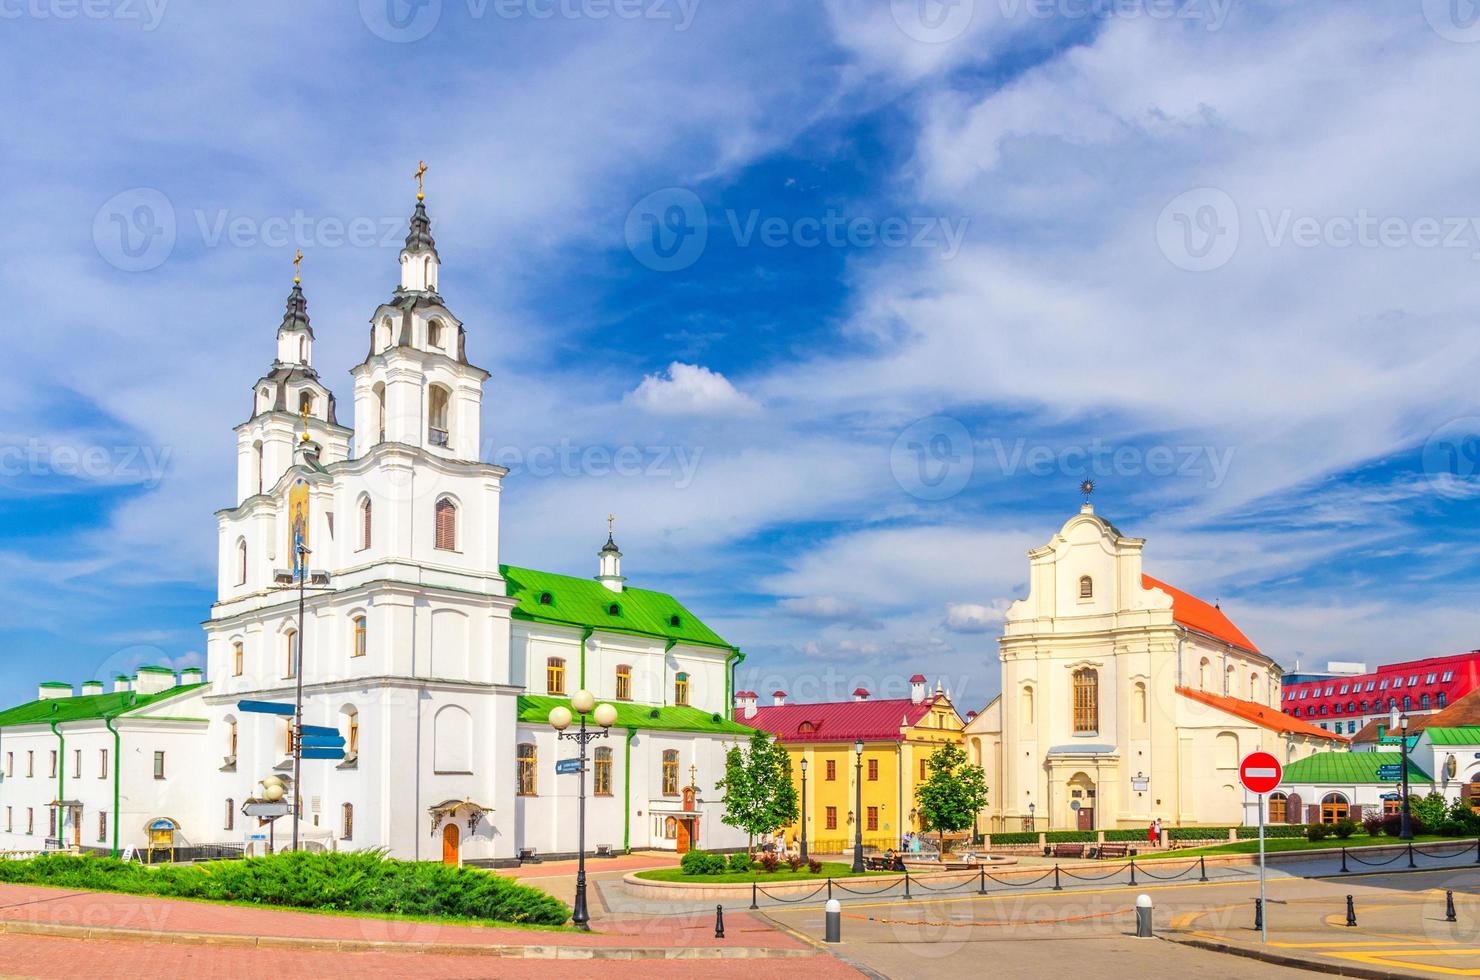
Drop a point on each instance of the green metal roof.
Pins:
(584, 603)
(534, 709)
(1350, 768)
(1465, 735)
(88, 707)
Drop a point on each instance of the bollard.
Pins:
(834, 929)
(1202, 868)
(1143, 916)
(719, 922)
(1133, 872)
(1351, 912)
(907, 886)
(1258, 913)
(1056, 886)
(982, 888)
(1449, 914)
(1343, 860)
(1410, 855)
(753, 896)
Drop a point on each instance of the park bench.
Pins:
(1115, 851)
(1067, 851)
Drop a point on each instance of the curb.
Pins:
(1279, 959)
(536, 952)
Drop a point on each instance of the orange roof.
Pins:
(1190, 611)
(1272, 718)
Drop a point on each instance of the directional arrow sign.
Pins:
(1389, 772)
(319, 730)
(323, 753)
(566, 767)
(265, 707)
(323, 741)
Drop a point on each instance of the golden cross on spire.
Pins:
(297, 262)
(421, 170)
(610, 520)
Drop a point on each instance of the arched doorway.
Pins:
(450, 838)
(1082, 801)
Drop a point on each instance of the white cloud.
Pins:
(821, 607)
(972, 617)
(690, 389)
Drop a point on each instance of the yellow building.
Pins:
(896, 736)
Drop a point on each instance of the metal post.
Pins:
(858, 814)
(829, 888)
(1202, 868)
(804, 811)
(982, 888)
(1259, 914)
(580, 916)
(298, 702)
(1143, 917)
(1263, 929)
(719, 922)
(755, 905)
(1410, 855)
(1056, 886)
(1133, 871)
(1343, 859)
(1351, 913)
(1449, 913)
(1406, 833)
(907, 885)
(833, 932)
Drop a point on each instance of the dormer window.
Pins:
(614, 610)
(1086, 587)
(436, 335)
(674, 620)
(546, 599)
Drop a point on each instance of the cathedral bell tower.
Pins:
(289, 399)
(415, 386)
(610, 558)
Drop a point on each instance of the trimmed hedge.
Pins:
(364, 881)
(1016, 837)
(1127, 836)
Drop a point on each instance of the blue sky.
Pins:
(866, 287)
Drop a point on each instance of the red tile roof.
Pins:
(841, 721)
(1260, 714)
(1190, 611)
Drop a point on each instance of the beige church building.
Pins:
(1124, 699)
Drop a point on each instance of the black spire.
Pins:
(296, 316)
(419, 239)
(610, 545)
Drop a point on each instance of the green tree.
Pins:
(759, 795)
(952, 795)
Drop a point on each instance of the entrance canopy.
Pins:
(448, 807)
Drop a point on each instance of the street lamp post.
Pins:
(1032, 824)
(303, 553)
(583, 702)
(804, 810)
(858, 808)
(1400, 722)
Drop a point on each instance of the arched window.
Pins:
(1027, 706)
(436, 334)
(347, 822)
(1278, 808)
(670, 772)
(1254, 687)
(1423, 702)
(555, 675)
(361, 635)
(366, 522)
(290, 653)
(1225, 750)
(602, 772)
(681, 688)
(1443, 699)
(1202, 674)
(230, 821)
(1407, 702)
(614, 610)
(624, 682)
(352, 730)
(230, 737)
(1140, 703)
(302, 350)
(257, 467)
(1086, 587)
(1228, 680)
(1086, 701)
(237, 658)
(446, 525)
(438, 400)
(1333, 808)
(546, 599)
(305, 401)
(379, 392)
(241, 561)
(526, 760)
(385, 333)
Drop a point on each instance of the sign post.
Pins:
(1260, 773)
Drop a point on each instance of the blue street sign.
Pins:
(567, 767)
(265, 707)
(319, 730)
(1389, 772)
(323, 741)
(323, 753)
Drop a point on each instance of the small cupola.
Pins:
(54, 689)
(860, 694)
(917, 688)
(778, 699)
(295, 333)
(610, 560)
(745, 701)
(89, 688)
(419, 260)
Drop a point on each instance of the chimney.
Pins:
(860, 694)
(120, 684)
(746, 701)
(90, 688)
(152, 680)
(778, 699)
(191, 675)
(917, 688)
(54, 689)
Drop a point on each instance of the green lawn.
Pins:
(830, 869)
(1301, 844)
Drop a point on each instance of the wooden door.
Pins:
(1086, 818)
(683, 836)
(449, 844)
(76, 829)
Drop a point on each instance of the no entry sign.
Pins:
(1260, 772)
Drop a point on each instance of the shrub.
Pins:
(1373, 826)
(1344, 828)
(1198, 833)
(1317, 832)
(794, 862)
(1430, 810)
(770, 862)
(1072, 836)
(365, 881)
(814, 866)
(1014, 837)
(1135, 836)
(702, 863)
(740, 862)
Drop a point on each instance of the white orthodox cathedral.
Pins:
(437, 664)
